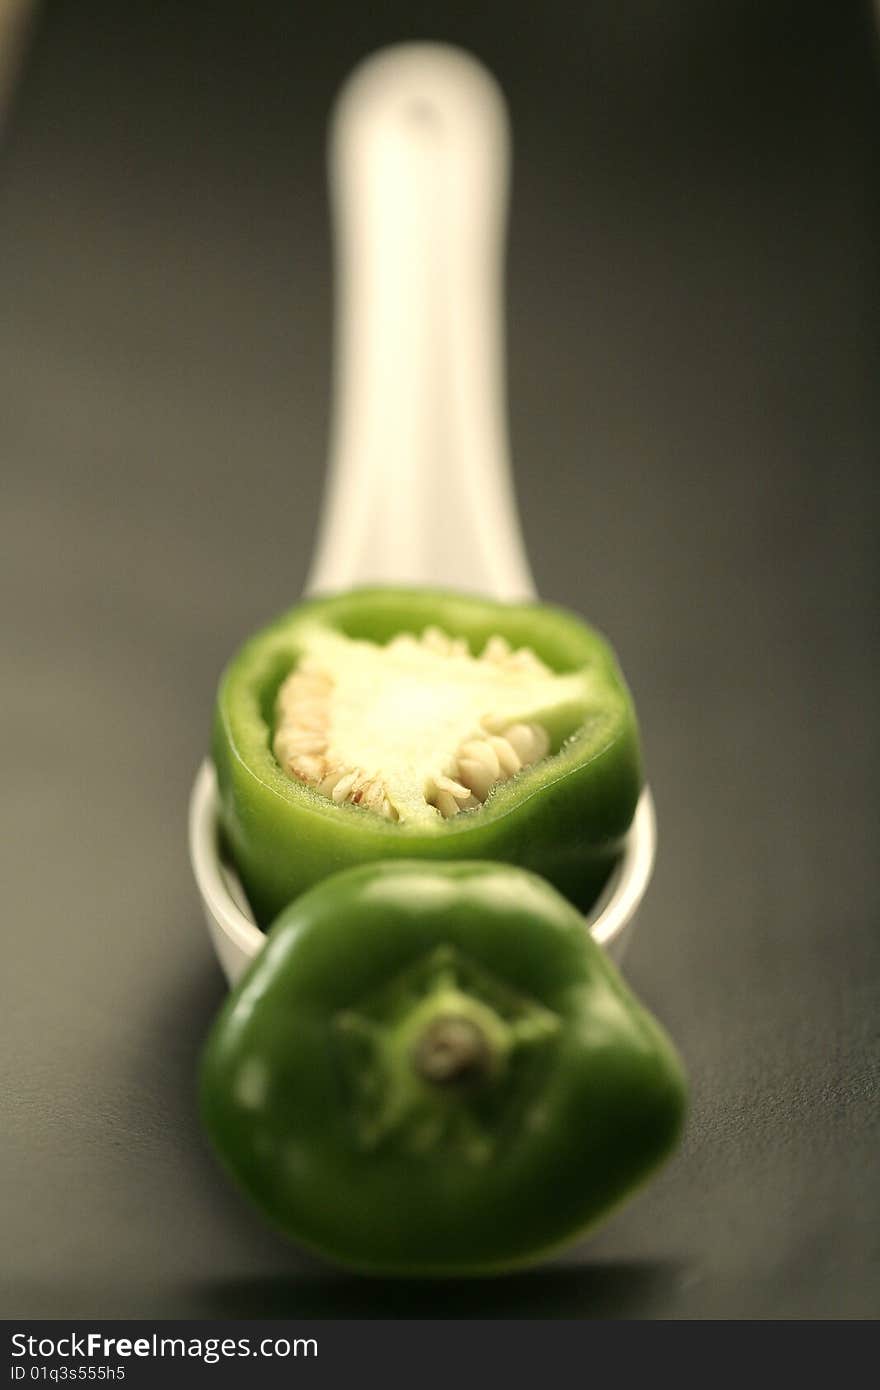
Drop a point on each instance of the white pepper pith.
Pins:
(413, 728)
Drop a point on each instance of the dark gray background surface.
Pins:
(694, 339)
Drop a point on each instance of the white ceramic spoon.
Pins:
(419, 488)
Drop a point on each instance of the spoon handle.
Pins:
(419, 488)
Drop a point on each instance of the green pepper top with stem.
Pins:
(434, 1069)
(385, 723)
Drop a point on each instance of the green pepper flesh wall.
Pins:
(433, 1069)
(412, 723)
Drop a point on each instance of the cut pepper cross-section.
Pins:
(416, 726)
(381, 723)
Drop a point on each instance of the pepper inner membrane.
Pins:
(418, 727)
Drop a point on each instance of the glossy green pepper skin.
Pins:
(563, 818)
(432, 1069)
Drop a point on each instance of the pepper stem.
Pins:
(452, 1050)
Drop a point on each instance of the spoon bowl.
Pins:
(237, 939)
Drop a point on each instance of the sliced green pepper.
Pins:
(433, 1069)
(388, 722)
